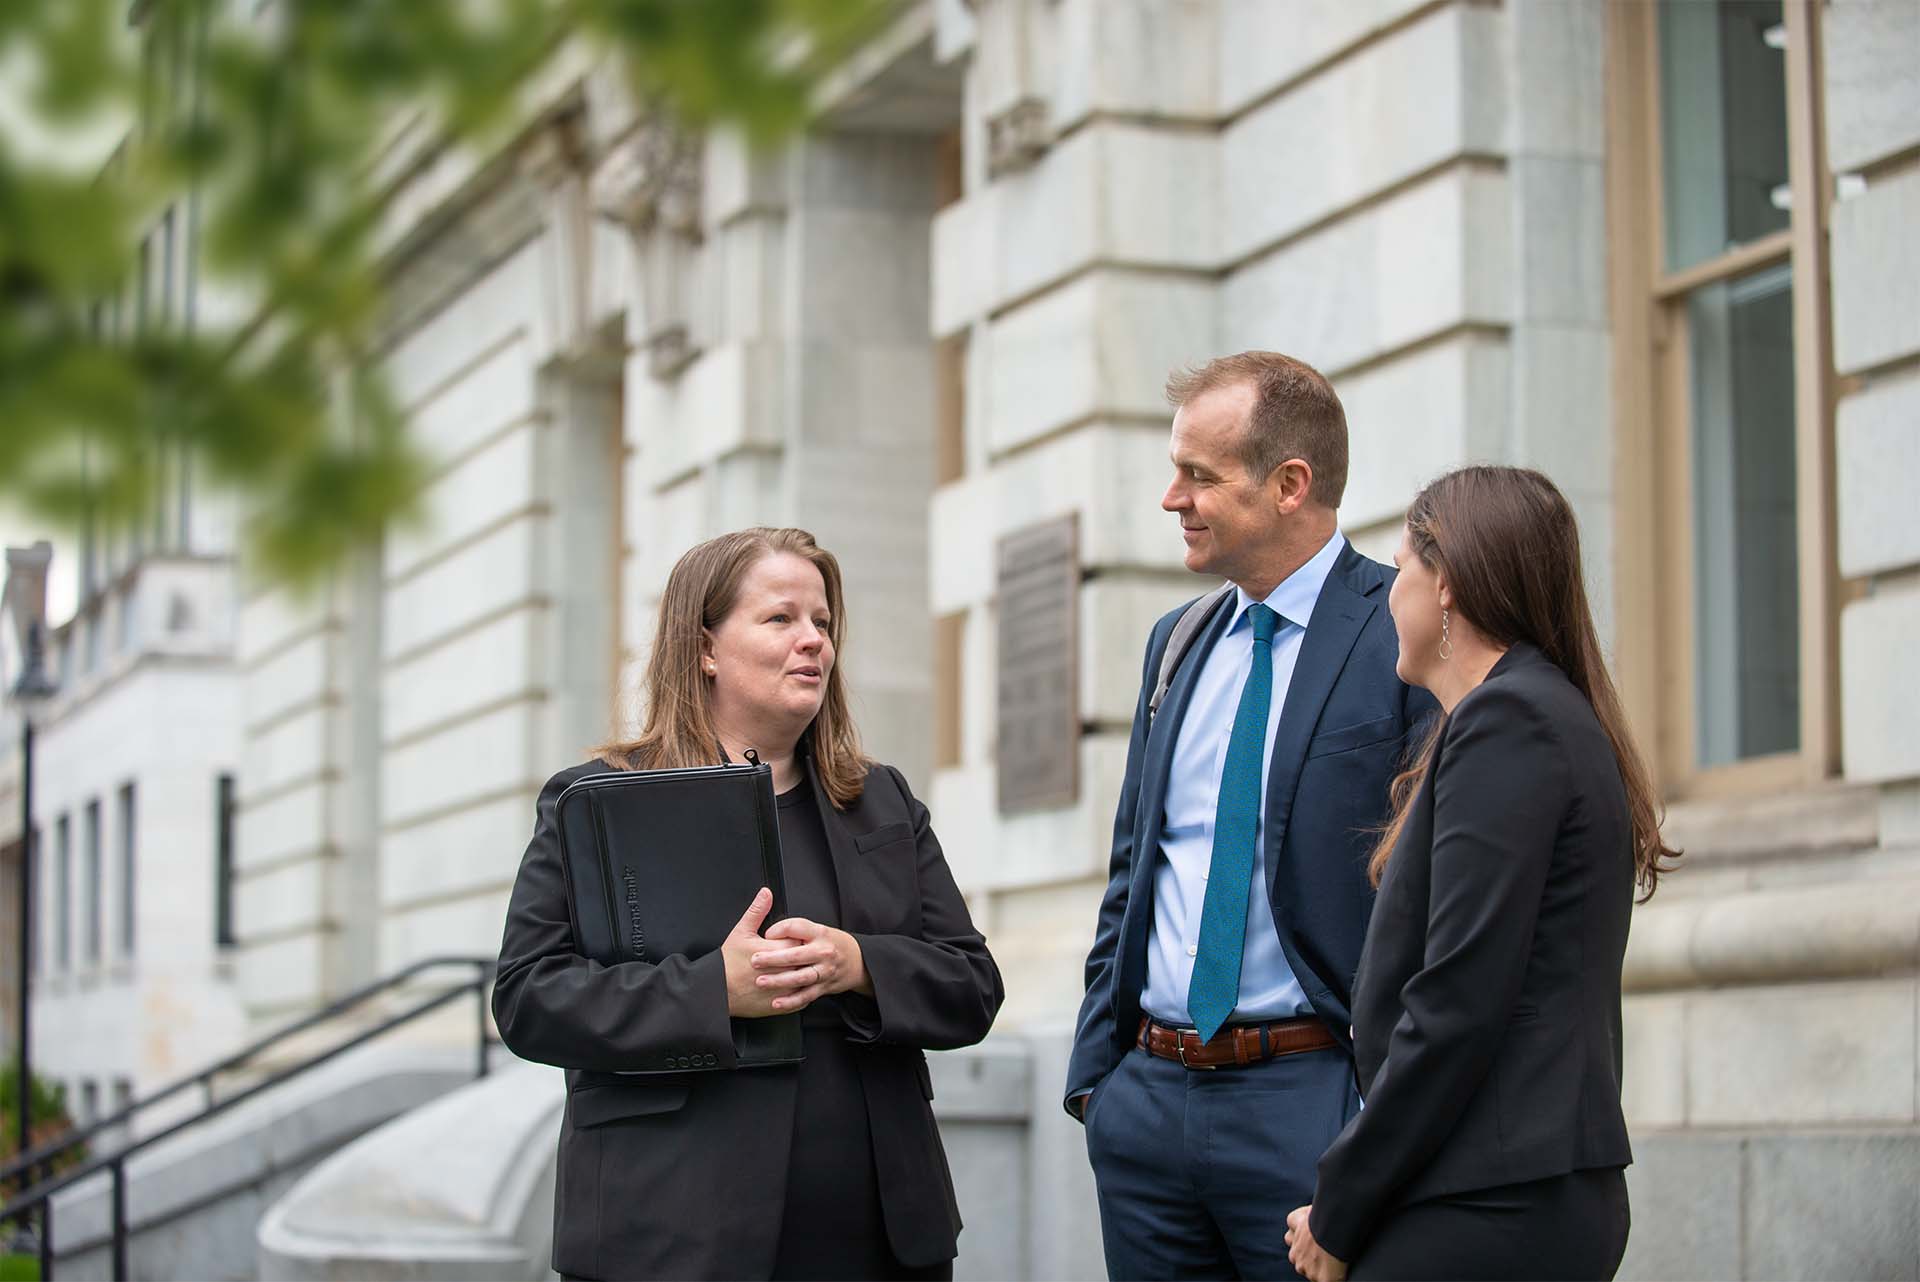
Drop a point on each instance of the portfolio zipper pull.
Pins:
(753, 758)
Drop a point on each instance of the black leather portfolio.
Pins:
(660, 862)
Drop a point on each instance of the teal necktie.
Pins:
(1215, 988)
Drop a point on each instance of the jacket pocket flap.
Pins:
(597, 1105)
(1346, 738)
(881, 836)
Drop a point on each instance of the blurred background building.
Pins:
(1664, 252)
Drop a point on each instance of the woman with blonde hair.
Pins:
(1486, 1009)
(829, 1169)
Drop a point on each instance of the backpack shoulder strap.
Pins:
(1184, 630)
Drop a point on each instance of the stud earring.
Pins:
(1446, 641)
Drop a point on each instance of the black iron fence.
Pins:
(39, 1162)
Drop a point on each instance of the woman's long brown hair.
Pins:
(701, 591)
(1505, 541)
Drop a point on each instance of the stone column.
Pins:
(1079, 267)
(780, 373)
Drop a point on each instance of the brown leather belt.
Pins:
(1237, 1045)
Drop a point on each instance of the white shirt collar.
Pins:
(1299, 592)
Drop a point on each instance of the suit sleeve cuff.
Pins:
(1336, 1235)
(708, 976)
(861, 1014)
(865, 1013)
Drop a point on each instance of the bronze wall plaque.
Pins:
(1038, 591)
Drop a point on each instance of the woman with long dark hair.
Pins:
(832, 1168)
(1487, 1003)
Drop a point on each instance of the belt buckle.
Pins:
(1180, 1045)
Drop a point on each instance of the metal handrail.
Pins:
(204, 1078)
(41, 1194)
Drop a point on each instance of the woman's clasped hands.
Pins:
(790, 967)
(1307, 1255)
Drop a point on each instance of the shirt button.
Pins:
(1193, 950)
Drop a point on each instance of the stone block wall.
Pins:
(1407, 195)
(1873, 127)
(158, 713)
(809, 400)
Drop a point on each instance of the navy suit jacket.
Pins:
(1342, 735)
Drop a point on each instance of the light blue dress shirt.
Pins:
(1268, 988)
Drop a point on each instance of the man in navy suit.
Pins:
(1212, 1060)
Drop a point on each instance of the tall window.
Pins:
(1738, 363)
(223, 926)
(96, 887)
(62, 893)
(128, 845)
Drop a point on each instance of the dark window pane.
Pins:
(1746, 577)
(63, 893)
(96, 887)
(129, 844)
(1723, 125)
(223, 926)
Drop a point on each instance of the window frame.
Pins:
(1655, 643)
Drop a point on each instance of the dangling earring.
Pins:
(1446, 642)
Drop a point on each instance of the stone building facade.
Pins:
(1662, 252)
(134, 767)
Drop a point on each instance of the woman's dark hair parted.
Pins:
(1506, 542)
(701, 591)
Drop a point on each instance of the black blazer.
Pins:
(1341, 736)
(1487, 1008)
(684, 1175)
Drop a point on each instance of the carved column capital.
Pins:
(650, 183)
(651, 179)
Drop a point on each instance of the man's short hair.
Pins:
(1295, 415)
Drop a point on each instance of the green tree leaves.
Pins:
(212, 291)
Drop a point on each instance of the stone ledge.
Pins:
(374, 1209)
(1833, 819)
(1859, 928)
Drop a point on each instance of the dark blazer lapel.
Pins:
(1346, 601)
(1148, 817)
(840, 847)
(1166, 730)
